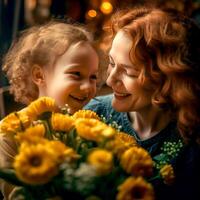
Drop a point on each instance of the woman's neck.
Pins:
(149, 122)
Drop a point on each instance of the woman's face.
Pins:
(129, 95)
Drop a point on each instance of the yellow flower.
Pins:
(102, 160)
(92, 129)
(135, 188)
(62, 151)
(35, 164)
(60, 122)
(107, 131)
(167, 173)
(116, 146)
(30, 133)
(137, 161)
(120, 143)
(24, 119)
(128, 140)
(85, 114)
(41, 105)
(14, 122)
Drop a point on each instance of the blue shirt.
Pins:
(186, 165)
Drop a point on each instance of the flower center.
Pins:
(137, 193)
(35, 161)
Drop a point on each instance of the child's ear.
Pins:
(37, 74)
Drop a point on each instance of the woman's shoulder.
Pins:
(190, 156)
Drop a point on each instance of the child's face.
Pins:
(73, 79)
(123, 77)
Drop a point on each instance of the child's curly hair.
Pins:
(39, 45)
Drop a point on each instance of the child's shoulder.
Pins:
(101, 104)
(100, 101)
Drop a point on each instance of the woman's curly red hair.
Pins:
(166, 47)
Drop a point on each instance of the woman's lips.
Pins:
(121, 96)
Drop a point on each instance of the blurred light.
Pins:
(30, 4)
(92, 13)
(106, 7)
(44, 2)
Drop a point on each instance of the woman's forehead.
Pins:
(121, 47)
(122, 39)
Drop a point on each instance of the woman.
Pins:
(154, 72)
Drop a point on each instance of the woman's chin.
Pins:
(119, 107)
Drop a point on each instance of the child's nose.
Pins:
(86, 85)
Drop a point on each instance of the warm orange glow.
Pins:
(106, 7)
(31, 4)
(92, 13)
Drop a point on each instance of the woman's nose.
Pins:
(112, 77)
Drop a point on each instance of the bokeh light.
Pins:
(106, 7)
(92, 13)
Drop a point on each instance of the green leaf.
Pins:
(160, 157)
(10, 176)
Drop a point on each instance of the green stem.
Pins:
(155, 177)
(48, 131)
(9, 176)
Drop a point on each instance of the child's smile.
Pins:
(79, 100)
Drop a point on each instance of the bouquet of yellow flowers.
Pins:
(74, 156)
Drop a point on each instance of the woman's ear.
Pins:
(37, 74)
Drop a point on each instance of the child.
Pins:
(56, 60)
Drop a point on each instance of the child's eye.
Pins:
(94, 77)
(78, 74)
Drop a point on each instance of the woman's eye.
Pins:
(131, 74)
